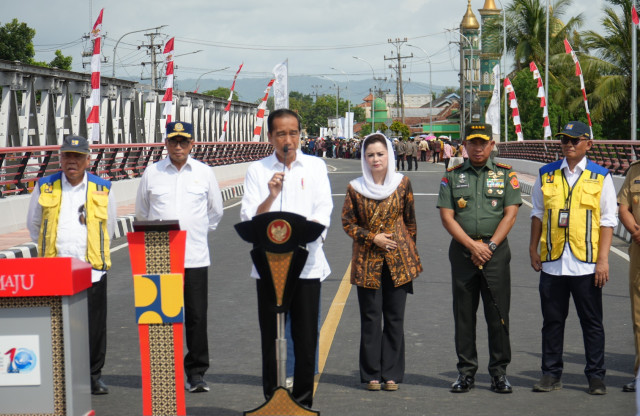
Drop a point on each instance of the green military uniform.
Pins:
(478, 197)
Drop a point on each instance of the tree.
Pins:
(315, 114)
(16, 42)
(61, 61)
(400, 129)
(449, 90)
(526, 30)
(221, 92)
(611, 64)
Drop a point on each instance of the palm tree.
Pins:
(526, 29)
(612, 61)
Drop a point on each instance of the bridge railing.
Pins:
(615, 155)
(20, 167)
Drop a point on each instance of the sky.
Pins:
(313, 35)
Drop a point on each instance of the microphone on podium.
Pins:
(285, 149)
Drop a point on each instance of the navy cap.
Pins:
(178, 128)
(576, 129)
(76, 144)
(478, 131)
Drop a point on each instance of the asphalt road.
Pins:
(235, 375)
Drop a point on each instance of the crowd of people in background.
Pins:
(411, 149)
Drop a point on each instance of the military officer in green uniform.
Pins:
(479, 201)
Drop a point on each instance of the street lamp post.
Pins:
(113, 71)
(337, 95)
(546, 57)
(348, 97)
(503, 69)
(430, 89)
(470, 79)
(215, 70)
(373, 101)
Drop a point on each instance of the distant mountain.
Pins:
(252, 89)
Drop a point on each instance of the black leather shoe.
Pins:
(463, 384)
(98, 387)
(630, 387)
(500, 384)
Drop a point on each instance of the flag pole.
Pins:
(634, 77)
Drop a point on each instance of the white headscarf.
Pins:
(365, 185)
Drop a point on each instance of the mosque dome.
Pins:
(380, 104)
(490, 5)
(469, 20)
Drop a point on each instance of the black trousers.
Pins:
(554, 298)
(468, 285)
(304, 331)
(97, 307)
(382, 330)
(399, 161)
(196, 361)
(410, 160)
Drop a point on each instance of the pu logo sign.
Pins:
(158, 298)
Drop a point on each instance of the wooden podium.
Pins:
(44, 341)
(156, 249)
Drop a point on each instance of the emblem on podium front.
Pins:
(279, 231)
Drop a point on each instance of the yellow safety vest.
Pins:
(583, 203)
(96, 219)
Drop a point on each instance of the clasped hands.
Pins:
(480, 253)
(384, 241)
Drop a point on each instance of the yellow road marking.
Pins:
(328, 331)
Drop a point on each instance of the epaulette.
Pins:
(503, 165)
(634, 163)
(452, 168)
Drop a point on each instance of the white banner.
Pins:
(281, 87)
(492, 116)
(348, 131)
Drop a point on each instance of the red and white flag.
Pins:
(228, 107)
(260, 115)
(634, 15)
(513, 103)
(93, 119)
(167, 99)
(569, 50)
(543, 100)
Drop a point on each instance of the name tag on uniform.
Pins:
(495, 183)
(563, 218)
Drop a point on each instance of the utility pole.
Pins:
(316, 88)
(397, 42)
(153, 48)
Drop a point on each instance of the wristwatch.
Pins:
(492, 246)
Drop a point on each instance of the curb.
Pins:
(124, 225)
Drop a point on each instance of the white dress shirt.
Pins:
(306, 191)
(568, 264)
(71, 236)
(190, 195)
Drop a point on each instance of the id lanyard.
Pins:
(563, 215)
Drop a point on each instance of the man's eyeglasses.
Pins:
(181, 143)
(573, 140)
(82, 217)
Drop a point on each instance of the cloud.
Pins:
(313, 35)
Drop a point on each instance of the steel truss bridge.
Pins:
(42, 105)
